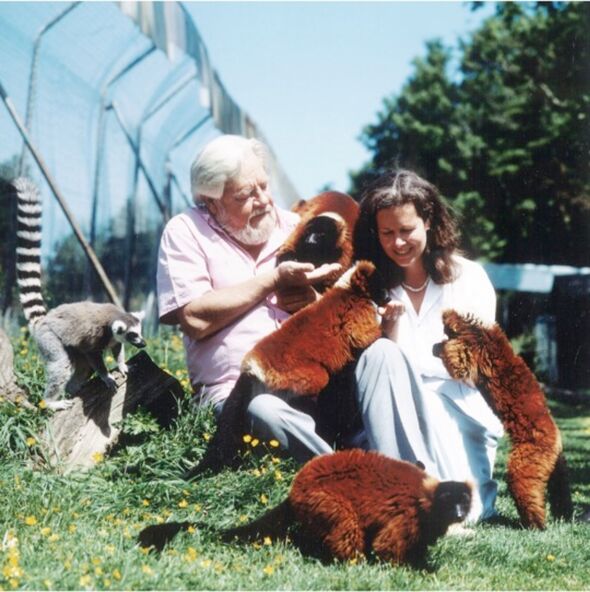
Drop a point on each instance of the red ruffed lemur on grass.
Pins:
(483, 357)
(353, 504)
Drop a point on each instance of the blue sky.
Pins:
(312, 74)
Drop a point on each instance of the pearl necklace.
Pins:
(416, 290)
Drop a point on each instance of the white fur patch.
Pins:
(29, 267)
(24, 298)
(34, 252)
(344, 279)
(251, 366)
(30, 282)
(332, 215)
(31, 208)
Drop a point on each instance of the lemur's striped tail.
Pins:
(28, 250)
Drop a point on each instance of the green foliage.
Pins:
(507, 137)
(79, 531)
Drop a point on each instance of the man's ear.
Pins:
(211, 204)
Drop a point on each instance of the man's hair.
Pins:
(397, 188)
(220, 161)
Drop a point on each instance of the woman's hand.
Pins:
(390, 313)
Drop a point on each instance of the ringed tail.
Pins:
(28, 250)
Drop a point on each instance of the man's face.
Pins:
(246, 210)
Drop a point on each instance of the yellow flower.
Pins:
(14, 583)
(255, 442)
(247, 438)
(30, 520)
(267, 540)
(67, 564)
(197, 507)
(191, 554)
(96, 561)
(263, 499)
(274, 443)
(30, 441)
(243, 518)
(116, 574)
(42, 404)
(46, 531)
(72, 528)
(54, 537)
(85, 580)
(182, 503)
(12, 571)
(98, 571)
(206, 437)
(191, 530)
(97, 457)
(146, 569)
(107, 583)
(110, 549)
(278, 475)
(256, 472)
(269, 570)
(146, 502)
(48, 584)
(550, 557)
(206, 562)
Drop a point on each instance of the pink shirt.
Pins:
(196, 256)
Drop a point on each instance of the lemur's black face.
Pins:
(318, 244)
(379, 293)
(452, 501)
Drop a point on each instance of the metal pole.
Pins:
(60, 199)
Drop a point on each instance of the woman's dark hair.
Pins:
(397, 188)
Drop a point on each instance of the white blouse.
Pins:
(471, 292)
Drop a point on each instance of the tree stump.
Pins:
(77, 437)
(9, 390)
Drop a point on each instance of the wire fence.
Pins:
(105, 106)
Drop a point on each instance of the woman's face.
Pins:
(402, 234)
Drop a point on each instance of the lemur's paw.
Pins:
(111, 383)
(123, 368)
(58, 405)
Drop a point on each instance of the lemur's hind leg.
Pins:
(336, 523)
(82, 372)
(58, 368)
(528, 471)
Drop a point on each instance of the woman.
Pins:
(406, 230)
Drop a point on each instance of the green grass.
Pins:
(79, 531)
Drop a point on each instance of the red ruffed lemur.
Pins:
(482, 356)
(353, 504)
(301, 357)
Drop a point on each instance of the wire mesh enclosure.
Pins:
(106, 105)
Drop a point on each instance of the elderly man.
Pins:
(217, 278)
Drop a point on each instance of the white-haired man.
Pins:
(217, 278)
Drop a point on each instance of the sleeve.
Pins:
(182, 272)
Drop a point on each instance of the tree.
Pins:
(507, 139)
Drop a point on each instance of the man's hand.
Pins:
(294, 281)
(289, 274)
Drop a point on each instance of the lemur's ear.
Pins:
(140, 315)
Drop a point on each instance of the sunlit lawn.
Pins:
(79, 531)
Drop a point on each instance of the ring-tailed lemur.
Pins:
(71, 337)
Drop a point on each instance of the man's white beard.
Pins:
(249, 235)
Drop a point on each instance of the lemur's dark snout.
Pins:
(437, 350)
